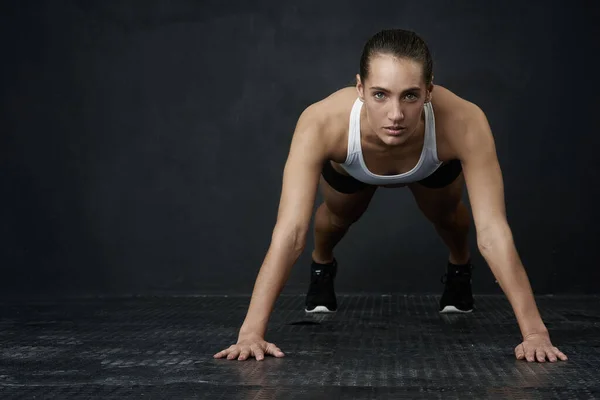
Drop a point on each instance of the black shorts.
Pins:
(443, 176)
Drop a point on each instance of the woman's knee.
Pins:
(340, 220)
(456, 218)
(344, 209)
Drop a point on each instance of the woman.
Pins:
(392, 130)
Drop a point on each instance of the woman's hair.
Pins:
(398, 43)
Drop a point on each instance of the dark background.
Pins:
(142, 143)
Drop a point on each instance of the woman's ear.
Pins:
(429, 91)
(360, 88)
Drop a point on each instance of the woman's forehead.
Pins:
(394, 74)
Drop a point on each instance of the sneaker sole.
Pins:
(319, 309)
(452, 309)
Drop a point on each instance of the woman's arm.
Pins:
(301, 174)
(308, 152)
(477, 152)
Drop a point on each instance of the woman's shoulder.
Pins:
(333, 111)
(448, 106)
(336, 104)
(454, 114)
(329, 118)
(456, 120)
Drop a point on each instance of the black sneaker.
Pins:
(457, 296)
(321, 294)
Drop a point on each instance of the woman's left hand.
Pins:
(537, 346)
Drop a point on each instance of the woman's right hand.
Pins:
(251, 345)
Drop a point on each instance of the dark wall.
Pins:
(142, 143)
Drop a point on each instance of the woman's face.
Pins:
(393, 94)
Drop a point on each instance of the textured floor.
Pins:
(376, 347)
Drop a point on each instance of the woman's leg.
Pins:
(345, 200)
(444, 208)
(336, 214)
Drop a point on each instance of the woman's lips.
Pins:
(394, 130)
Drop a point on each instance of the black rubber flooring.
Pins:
(375, 347)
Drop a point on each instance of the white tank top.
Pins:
(355, 164)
